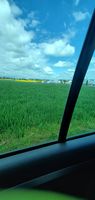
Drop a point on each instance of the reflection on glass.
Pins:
(40, 42)
(83, 120)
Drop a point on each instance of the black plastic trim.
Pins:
(18, 151)
(80, 136)
(27, 166)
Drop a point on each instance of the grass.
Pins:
(83, 119)
(30, 113)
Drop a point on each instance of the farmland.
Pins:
(30, 113)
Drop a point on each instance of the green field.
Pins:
(30, 113)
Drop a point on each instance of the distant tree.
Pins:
(65, 81)
(87, 82)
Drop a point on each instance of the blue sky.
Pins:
(42, 39)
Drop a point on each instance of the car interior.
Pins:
(65, 166)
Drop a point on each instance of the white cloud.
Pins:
(20, 55)
(63, 64)
(77, 2)
(16, 11)
(17, 49)
(69, 35)
(48, 70)
(35, 23)
(60, 47)
(71, 70)
(80, 16)
(12, 31)
(32, 20)
(31, 15)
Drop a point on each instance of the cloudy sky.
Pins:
(42, 38)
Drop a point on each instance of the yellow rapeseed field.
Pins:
(28, 81)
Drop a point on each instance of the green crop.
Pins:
(31, 113)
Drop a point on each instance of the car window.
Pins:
(40, 42)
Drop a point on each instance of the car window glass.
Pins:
(40, 42)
